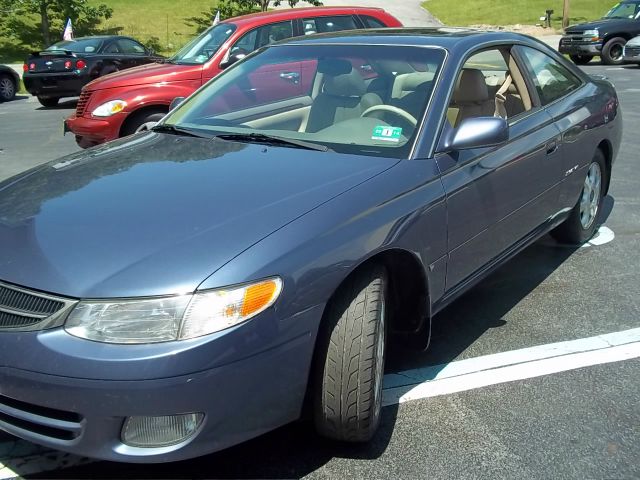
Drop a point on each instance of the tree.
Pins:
(50, 17)
(233, 8)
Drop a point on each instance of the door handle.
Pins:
(552, 147)
(293, 77)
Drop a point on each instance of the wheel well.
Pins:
(144, 111)
(605, 147)
(626, 36)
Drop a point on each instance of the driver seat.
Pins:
(344, 96)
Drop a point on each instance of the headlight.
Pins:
(171, 318)
(109, 108)
(593, 34)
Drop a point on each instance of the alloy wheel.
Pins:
(590, 199)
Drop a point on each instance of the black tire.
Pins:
(8, 88)
(350, 360)
(612, 51)
(581, 59)
(108, 69)
(49, 102)
(136, 122)
(573, 230)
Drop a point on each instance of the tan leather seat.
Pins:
(471, 97)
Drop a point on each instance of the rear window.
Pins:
(88, 45)
(371, 22)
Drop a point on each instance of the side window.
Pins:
(328, 24)
(130, 47)
(274, 32)
(371, 22)
(247, 42)
(112, 48)
(551, 79)
(489, 84)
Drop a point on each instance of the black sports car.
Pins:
(9, 82)
(65, 67)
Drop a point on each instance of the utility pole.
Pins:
(565, 14)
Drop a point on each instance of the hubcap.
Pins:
(590, 199)
(616, 51)
(6, 88)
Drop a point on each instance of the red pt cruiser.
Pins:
(126, 102)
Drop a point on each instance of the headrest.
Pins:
(472, 87)
(334, 66)
(411, 82)
(345, 85)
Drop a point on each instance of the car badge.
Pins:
(48, 63)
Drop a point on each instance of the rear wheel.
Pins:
(581, 59)
(142, 121)
(7, 88)
(583, 220)
(350, 360)
(48, 102)
(613, 51)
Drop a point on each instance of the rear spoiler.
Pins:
(53, 53)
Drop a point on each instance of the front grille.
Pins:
(83, 101)
(24, 309)
(42, 421)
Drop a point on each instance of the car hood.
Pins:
(635, 41)
(156, 214)
(147, 74)
(602, 23)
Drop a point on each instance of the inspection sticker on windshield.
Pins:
(387, 134)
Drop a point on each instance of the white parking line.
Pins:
(510, 366)
(19, 458)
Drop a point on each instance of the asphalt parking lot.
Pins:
(576, 423)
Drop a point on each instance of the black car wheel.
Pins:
(613, 51)
(581, 59)
(142, 121)
(350, 360)
(8, 88)
(582, 223)
(48, 102)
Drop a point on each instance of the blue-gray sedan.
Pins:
(179, 291)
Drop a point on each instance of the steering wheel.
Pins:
(394, 110)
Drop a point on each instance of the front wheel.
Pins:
(141, 122)
(7, 88)
(350, 361)
(49, 102)
(613, 51)
(581, 59)
(583, 220)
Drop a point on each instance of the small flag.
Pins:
(216, 19)
(68, 31)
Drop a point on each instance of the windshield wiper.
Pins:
(174, 130)
(273, 140)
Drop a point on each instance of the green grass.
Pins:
(141, 19)
(512, 12)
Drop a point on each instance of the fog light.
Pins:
(149, 432)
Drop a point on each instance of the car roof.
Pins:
(94, 37)
(294, 13)
(424, 36)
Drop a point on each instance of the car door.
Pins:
(497, 196)
(557, 87)
(132, 53)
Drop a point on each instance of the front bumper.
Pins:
(573, 46)
(66, 84)
(83, 415)
(93, 131)
(632, 53)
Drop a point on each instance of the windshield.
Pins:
(82, 45)
(359, 99)
(203, 47)
(624, 10)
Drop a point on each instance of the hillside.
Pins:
(512, 12)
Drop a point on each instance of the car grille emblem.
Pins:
(49, 63)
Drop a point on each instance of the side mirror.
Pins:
(478, 132)
(234, 57)
(175, 102)
(151, 52)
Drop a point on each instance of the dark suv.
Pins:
(604, 38)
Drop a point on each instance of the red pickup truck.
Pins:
(126, 102)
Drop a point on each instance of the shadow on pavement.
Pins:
(294, 451)
(63, 104)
